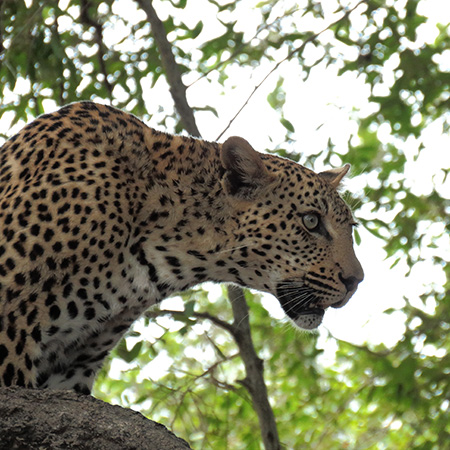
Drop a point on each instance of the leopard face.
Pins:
(101, 217)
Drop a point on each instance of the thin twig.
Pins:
(238, 49)
(287, 58)
(199, 315)
(363, 348)
(210, 370)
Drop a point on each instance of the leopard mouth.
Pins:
(302, 305)
(298, 300)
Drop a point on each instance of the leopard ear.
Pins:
(334, 176)
(245, 172)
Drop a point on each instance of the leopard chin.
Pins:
(310, 320)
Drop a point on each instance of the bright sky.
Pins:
(324, 101)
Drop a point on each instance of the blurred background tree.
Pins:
(324, 83)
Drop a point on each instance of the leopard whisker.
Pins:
(231, 249)
(299, 302)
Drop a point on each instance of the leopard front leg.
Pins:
(82, 360)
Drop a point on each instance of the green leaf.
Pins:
(277, 97)
(207, 108)
(128, 355)
(181, 4)
(189, 307)
(288, 125)
(357, 236)
(397, 260)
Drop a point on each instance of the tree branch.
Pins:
(254, 368)
(171, 68)
(98, 36)
(35, 419)
(287, 58)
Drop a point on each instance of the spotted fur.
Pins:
(102, 217)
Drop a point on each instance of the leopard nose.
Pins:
(350, 283)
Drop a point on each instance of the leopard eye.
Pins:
(311, 221)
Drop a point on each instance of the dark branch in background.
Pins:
(2, 31)
(171, 69)
(254, 369)
(102, 50)
(57, 38)
(287, 58)
(240, 329)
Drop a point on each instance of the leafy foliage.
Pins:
(367, 396)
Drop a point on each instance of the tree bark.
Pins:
(56, 419)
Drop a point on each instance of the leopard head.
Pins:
(293, 232)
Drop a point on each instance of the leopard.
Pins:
(103, 217)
